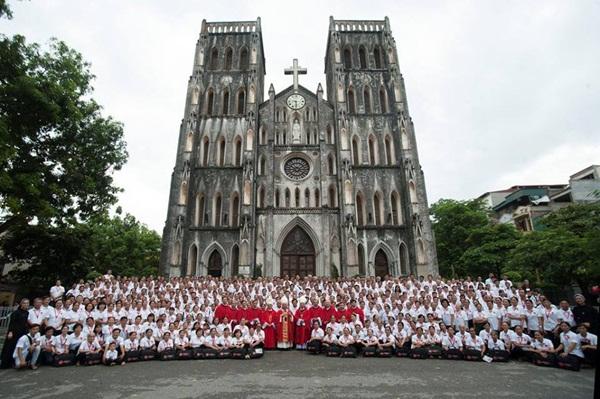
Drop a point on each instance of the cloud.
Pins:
(501, 93)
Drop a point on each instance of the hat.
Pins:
(270, 301)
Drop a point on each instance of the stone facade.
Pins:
(298, 183)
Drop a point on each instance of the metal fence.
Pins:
(5, 312)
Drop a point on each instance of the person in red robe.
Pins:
(302, 331)
(353, 309)
(254, 313)
(267, 318)
(285, 327)
(222, 310)
(316, 313)
(327, 312)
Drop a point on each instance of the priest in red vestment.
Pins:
(302, 332)
(268, 320)
(285, 327)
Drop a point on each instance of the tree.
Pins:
(453, 223)
(124, 245)
(70, 253)
(566, 251)
(57, 151)
(489, 249)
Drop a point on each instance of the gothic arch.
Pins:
(351, 101)
(367, 100)
(244, 59)
(261, 165)
(356, 156)
(362, 57)
(214, 58)
(378, 208)
(298, 221)
(373, 150)
(210, 101)
(261, 197)
(241, 101)
(388, 253)
(234, 210)
(225, 102)
(348, 58)
(214, 246)
(204, 151)
(389, 150)
(221, 155)
(217, 210)
(361, 216)
(199, 211)
(237, 151)
(228, 58)
(235, 260)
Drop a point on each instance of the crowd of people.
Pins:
(117, 320)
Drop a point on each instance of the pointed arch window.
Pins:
(355, 151)
(222, 152)
(383, 100)
(244, 59)
(235, 210)
(307, 198)
(205, 152)
(199, 216)
(347, 58)
(317, 198)
(214, 59)
(228, 58)
(217, 210)
(360, 210)
(351, 101)
(210, 100)
(237, 151)
(241, 102)
(377, 57)
(225, 109)
(287, 197)
(389, 157)
(367, 99)
(362, 56)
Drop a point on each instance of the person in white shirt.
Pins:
(474, 346)
(542, 352)
(565, 313)
(533, 318)
(56, 316)
(197, 339)
(329, 339)
(316, 336)
(550, 319)
(452, 345)
(61, 342)
(346, 343)
(507, 335)
(76, 337)
(515, 314)
(111, 356)
(37, 315)
(57, 291)
(88, 350)
(131, 346)
(520, 343)
(166, 344)
(589, 344)
(118, 341)
(570, 353)
(28, 349)
(47, 347)
(496, 349)
(387, 343)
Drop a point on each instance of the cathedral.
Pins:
(297, 182)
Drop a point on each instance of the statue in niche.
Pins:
(296, 133)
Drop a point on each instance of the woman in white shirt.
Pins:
(132, 347)
(452, 346)
(387, 343)
(434, 343)
(47, 347)
(474, 346)
(346, 343)
(166, 347)
(542, 352)
(589, 344)
(496, 348)
(76, 337)
(316, 336)
(148, 346)
(519, 344)
(418, 348)
(570, 353)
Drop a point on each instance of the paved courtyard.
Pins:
(299, 375)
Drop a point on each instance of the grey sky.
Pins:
(501, 92)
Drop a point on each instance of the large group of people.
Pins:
(118, 320)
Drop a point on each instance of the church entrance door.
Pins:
(215, 264)
(381, 264)
(297, 254)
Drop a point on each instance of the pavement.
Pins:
(300, 375)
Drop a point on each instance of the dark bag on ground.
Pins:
(453, 354)
(185, 354)
(92, 359)
(369, 351)
(539, 360)
(256, 352)
(385, 352)
(169, 354)
(63, 360)
(471, 354)
(313, 346)
(349, 351)
(210, 353)
(132, 356)
(238, 353)
(224, 353)
(147, 354)
(434, 351)
(333, 351)
(198, 353)
(499, 355)
(419, 353)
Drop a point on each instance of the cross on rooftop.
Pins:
(295, 70)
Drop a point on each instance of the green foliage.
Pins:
(5, 11)
(566, 251)
(489, 249)
(453, 223)
(83, 250)
(57, 151)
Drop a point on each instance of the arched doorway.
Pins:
(215, 264)
(381, 264)
(297, 254)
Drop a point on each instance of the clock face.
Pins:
(296, 101)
